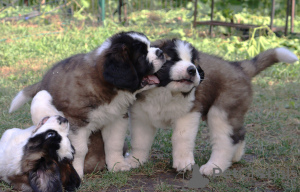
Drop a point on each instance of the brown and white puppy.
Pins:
(222, 99)
(94, 91)
(40, 157)
(169, 106)
(41, 106)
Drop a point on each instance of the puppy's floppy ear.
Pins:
(196, 60)
(119, 69)
(201, 72)
(45, 177)
(69, 177)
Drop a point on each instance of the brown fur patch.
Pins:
(29, 160)
(20, 182)
(225, 86)
(91, 89)
(95, 158)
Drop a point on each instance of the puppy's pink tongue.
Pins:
(149, 80)
(153, 79)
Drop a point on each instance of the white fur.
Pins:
(223, 149)
(183, 141)
(167, 107)
(103, 47)
(184, 50)
(19, 100)
(80, 140)
(239, 152)
(105, 117)
(178, 72)
(41, 106)
(152, 58)
(141, 38)
(114, 137)
(13, 141)
(161, 109)
(11, 151)
(65, 150)
(285, 55)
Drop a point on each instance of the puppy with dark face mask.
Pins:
(170, 105)
(94, 91)
(222, 100)
(40, 157)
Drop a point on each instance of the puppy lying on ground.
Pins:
(94, 91)
(222, 99)
(40, 157)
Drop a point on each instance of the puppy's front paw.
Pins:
(119, 166)
(134, 162)
(183, 163)
(213, 169)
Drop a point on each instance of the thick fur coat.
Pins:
(222, 100)
(94, 91)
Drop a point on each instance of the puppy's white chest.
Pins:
(164, 109)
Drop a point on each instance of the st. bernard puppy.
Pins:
(171, 105)
(222, 99)
(94, 91)
(40, 157)
(41, 106)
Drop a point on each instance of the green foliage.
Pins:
(262, 7)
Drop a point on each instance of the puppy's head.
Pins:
(48, 156)
(181, 72)
(130, 62)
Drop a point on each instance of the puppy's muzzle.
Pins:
(61, 120)
(159, 53)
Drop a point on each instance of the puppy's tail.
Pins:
(266, 59)
(24, 96)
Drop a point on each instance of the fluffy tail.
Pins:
(24, 96)
(266, 59)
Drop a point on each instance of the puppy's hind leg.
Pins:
(239, 151)
(223, 145)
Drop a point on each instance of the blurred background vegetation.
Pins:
(95, 11)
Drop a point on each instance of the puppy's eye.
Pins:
(50, 134)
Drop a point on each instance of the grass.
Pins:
(28, 49)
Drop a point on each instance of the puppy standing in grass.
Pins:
(40, 157)
(222, 99)
(94, 91)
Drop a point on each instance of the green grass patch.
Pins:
(28, 49)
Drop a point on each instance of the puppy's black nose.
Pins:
(191, 70)
(159, 53)
(62, 120)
